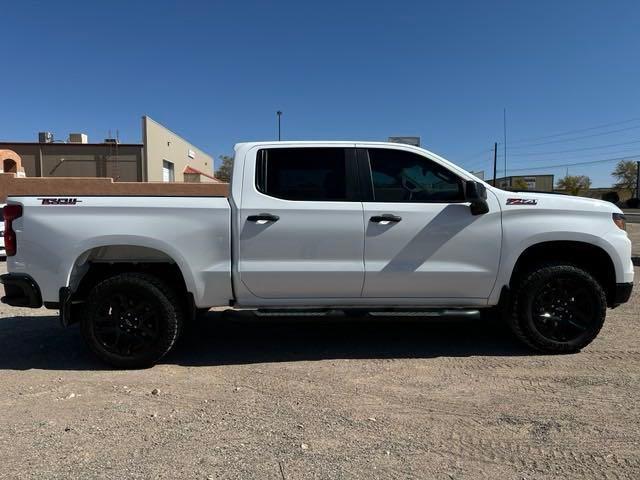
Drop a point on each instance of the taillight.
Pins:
(620, 220)
(10, 212)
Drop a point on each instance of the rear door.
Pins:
(301, 230)
(421, 240)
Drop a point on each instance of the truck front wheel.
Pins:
(557, 308)
(131, 320)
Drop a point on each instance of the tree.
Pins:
(626, 172)
(224, 171)
(519, 184)
(611, 196)
(574, 184)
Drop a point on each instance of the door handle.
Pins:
(263, 218)
(385, 218)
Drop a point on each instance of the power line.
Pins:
(592, 162)
(635, 127)
(475, 155)
(574, 149)
(502, 155)
(569, 132)
(584, 156)
(480, 164)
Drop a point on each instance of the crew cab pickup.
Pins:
(325, 226)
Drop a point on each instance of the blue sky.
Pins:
(216, 72)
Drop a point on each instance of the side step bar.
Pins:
(394, 312)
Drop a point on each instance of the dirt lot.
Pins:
(324, 398)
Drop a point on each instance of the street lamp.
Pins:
(279, 114)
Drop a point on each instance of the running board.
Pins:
(427, 313)
(293, 313)
(396, 312)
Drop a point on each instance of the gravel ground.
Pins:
(326, 398)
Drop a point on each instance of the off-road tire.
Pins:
(520, 314)
(165, 310)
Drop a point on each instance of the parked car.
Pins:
(322, 225)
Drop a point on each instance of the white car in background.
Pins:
(2, 251)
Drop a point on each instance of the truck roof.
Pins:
(245, 146)
(323, 142)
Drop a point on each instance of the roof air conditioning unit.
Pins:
(78, 138)
(45, 137)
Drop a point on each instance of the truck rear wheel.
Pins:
(558, 308)
(131, 320)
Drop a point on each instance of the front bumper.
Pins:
(20, 290)
(622, 293)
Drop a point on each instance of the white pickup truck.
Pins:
(324, 226)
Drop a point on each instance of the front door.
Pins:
(421, 240)
(301, 226)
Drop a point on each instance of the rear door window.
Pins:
(311, 174)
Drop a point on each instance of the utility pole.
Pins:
(279, 114)
(638, 179)
(504, 129)
(495, 162)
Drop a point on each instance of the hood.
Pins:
(552, 200)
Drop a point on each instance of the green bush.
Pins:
(612, 197)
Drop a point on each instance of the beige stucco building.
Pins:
(167, 155)
(540, 183)
(163, 156)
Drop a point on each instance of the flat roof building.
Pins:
(540, 183)
(163, 156)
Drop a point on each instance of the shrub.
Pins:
(633, 203)
(612, 197)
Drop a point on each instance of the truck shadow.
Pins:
(242, 338)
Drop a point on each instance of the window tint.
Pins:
(400, 176)
(302, 173)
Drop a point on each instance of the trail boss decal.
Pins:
(60, 201)
(521, 201)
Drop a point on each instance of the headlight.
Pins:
(620, 220)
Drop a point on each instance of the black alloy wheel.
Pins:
(564, 309)
(126, 325)
(131, 320)
(557, 308)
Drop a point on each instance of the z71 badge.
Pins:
(521, 201)
(60, 201)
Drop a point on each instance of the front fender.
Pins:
(616, 246)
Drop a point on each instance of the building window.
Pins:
(168, 171)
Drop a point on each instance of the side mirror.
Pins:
(476, 194)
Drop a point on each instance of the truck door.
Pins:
(301, 229)
(421, 239)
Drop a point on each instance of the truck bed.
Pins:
(65, 187)
(60, 234)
